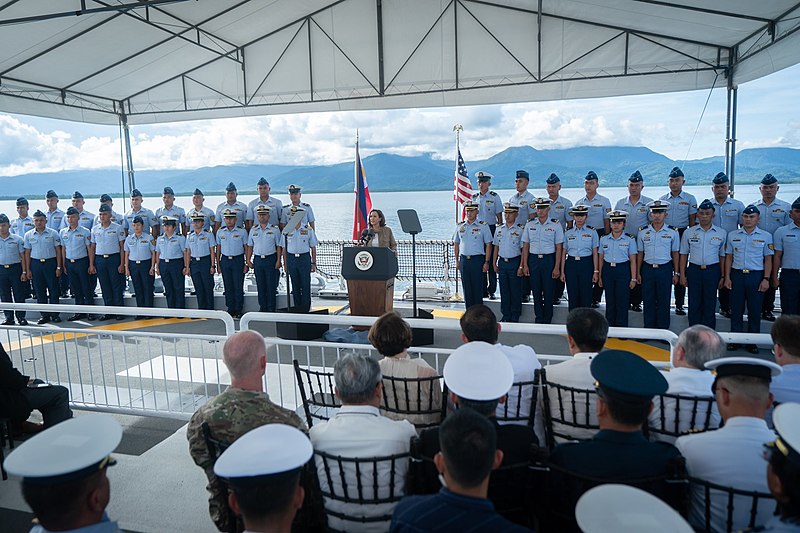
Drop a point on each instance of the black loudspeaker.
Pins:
(300, 331)
(419, 336)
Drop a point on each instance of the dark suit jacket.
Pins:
(12, 402)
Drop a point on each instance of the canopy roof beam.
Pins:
(83, 10)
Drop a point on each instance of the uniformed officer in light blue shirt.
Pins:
(599, 207)
(294, 201)
(542, 242)
(136, 210)
(202, 261)
(472, 245)
(618, 269)
(748, 267)
(523, 199)
(560, 211)
(172, 263)
(139, 247)
(23, 223)
(658, 261)
(681, 215)
(239, 209)
(209, 217)
(774, 214)
(75, 243)
(507, 244)
(263, 251)
(12, 276)
(490, 209)
(727, 215)
(115, 217)
(85, 218)
(701, 256)
(300, 260)
(787, 261)
(54, 214)
(169, 209)
(43, 263)
(580, 264)
(635, 204)
(107, 261)
(231, 241)
(275, 205)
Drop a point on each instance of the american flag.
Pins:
(462, 188)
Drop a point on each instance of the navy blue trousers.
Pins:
(744, 290)
(299, 271)
(200, 269)
(510, 289)
(657, 285)
(143, 282)
(680, 290)
(703, 294)
(616, 283)
(578, 273)
(11, 284)
(472, 278)
(174, 282)
(233, 279)
(45, 283)
(790, 291)
(266, 281)
(111, 281)
(490, 277)
(541, 270)
(78, 271)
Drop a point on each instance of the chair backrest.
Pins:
(317, 392)
(676, 414)
(569, 413)
(520, 406)
(421, 401)
(720, 508)
(360, 492)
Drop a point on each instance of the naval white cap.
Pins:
(263, 451)
(786, 419)
(70, 450)
(625, 509)
(478, 371)
(744, 366)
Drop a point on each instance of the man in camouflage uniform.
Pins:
(242, 407)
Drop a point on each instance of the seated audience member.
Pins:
(359, 430)
(786, 338)
(64, 483)
(479, 323)
(391, 336)
(242, 407)
(262, 470)
(696, 346)
(20, 395)
(587, 331)
(783, 470)
(469, 453)
(732, 455)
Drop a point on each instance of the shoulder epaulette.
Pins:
(673, 227)
(590, 227)
(493, 193)
(629, 235)
(643, 227)
(305, 204)
(481, 222)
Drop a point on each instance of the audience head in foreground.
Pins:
(696, 346)
(587, 330)
(479, 323)
(783, 470)
(245, 355)
(742, 386)
(63, 472)
(626, 509)
(262, 469)
(390, 335)
(479, 376)
(358, 380)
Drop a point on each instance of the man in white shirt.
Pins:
(696, 346)
(786, 386)
(359, 430)
(732, 455)
(587, 331)
(479, 323)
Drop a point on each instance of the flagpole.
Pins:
(458, 128)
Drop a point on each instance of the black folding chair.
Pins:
(317, 392)
(573, 410)
(421, 401)
(743, 509)
(519, 390)
(676, 414)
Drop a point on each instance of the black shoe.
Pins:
(73, 318)
(636, 308)
(526, 299)
(595, 305)
(557, 301)
(725, 314)
(8, 322)
(752, 348)
(55, 319)
(492, 297)
(43, 320)
(679, 311)
(119, 317)
(103, 318)
(91, 317)
(732, 347)
(22, 322)
(768, 316)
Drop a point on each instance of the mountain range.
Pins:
(389, 172)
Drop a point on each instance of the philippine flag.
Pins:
(363, 201)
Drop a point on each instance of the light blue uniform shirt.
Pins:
(85, 219)
(559, 210)
(21, 226)
(774, 215)
(105, 525)
(148, 219)
(704, 247)
(308, 215)
(472, 238)
(170, 247)
(525, 202)
(301, 240)
(787, 240)
(599, 207)
(115, 217)
(264, 241)
(489, 206)
(139, 248)
(200, 244)
(579, 242)
(509, 240)
(10, 248)
(106, 240)
(786, 385)
(543, 238)
(638, 214)
(75, 242)
(275, 210)
(208, 218)
(658, 245)
(54, 218)
(178, 213)
(42, 245)
(680, 207)
(240, 209)
(231, 242)
(617, 250)
(728, 214)
(749, 250)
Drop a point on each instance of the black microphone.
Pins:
(364, 236)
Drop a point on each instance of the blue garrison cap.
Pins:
(591, 175)
(72, 211)
(77, 194)
(4, 219)
(168, 190)
(523, 174)
(22, 201)
(105, 208)
(135, 193)
(706, 204)
(262, 181)
(552, 179)
(627, 376)
(796, 203)
(230, 187)
(51, 194)
(138, 220)
(106, 198)
(636, 177)
(676, 172)
(39, 213)
(769, 179)
(751, 210)
(198, 192)
(720, 178)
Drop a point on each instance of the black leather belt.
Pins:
(662, 265)
(507, 259)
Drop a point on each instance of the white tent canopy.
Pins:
(168, 60)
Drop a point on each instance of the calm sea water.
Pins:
(436, 209)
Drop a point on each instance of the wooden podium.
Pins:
(370, 273)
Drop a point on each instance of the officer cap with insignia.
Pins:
(168, 220)
(77, 194)
(552, 179)
(4, 219)
(676, 172)
(135, 193)
(198, 192)
(69, 451)
(541, 203)
(263, 452)
(72, 211)
(706, 204)
(626, 376)
(720, 178)
(626, 509)
(105, 208)
(796, 203)
(138, 220)
(580, 210)
(261, 208)
(636, 177)
(51, 194)
(262, 181)
(508, 207)
(590, 176)
(22, 201)
(744, 366)
(294, 189)
(229, 213)
(197, 216)
(470, 206)
(751, 210)
(786, 419)
(106, 198)
(658, 206)
(483, 176)
(769, 179)
(523, 174)
(39, 213)
(478, 371)
(168, 190)
(617, 214)
(231, 187)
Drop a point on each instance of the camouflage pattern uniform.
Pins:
(230, 415)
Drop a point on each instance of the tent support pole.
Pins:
(123, 119)
(730, 132)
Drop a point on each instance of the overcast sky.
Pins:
(769, 115)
